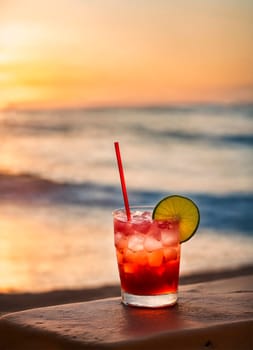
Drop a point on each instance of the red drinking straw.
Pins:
(122, 180)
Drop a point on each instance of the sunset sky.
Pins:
(72, 53)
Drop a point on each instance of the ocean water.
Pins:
(59, 183)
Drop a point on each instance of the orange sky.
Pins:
(66, 53)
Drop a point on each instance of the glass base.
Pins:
(152, 301)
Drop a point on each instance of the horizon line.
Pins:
(144, 106)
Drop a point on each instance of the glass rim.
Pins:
(133, 207)
(149, 208)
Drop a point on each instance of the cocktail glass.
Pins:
(148, 256)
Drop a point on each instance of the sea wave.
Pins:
(240, 139)
(38, 127)
(233, 124)
(231, 212)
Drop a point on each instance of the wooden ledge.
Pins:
(213, 315)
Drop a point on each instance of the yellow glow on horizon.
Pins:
(86, 55)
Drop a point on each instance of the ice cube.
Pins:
(169, 237)
(141, 216)
(136, 216)
(120, 240)
(121, 224)
(170, 253)
(138, 257)
(155, 258)
(137, 213)
(141, 257)
(130, 267)
(119, 256)
(151, 243)
(135, 242)
(142, 226)
(163, 224)
(154, 231)
(129, 255)
(147, 215)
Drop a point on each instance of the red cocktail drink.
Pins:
(148, 255)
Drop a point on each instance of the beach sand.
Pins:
(11, 302)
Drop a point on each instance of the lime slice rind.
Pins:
(181, 208)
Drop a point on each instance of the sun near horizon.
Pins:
(70, 54)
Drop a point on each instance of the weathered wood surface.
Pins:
(213, 315)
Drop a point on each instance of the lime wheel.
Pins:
(179, 208)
